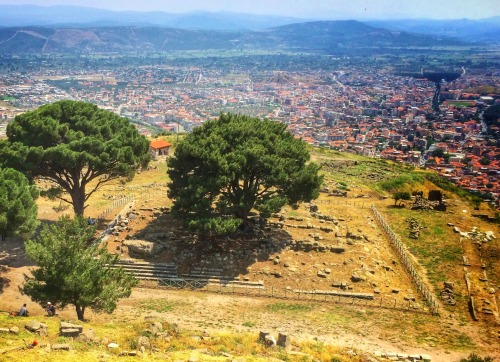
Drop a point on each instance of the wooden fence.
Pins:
(422, 288)
(115, 204)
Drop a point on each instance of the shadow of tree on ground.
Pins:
(232, 254)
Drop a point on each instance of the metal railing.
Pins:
(353, 299)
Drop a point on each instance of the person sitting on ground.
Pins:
(24, 311)
(51, 309)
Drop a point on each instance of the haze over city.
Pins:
(320, 9)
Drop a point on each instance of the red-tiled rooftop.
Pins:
(160, 144)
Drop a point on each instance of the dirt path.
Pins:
(201, 311)
(214, 312)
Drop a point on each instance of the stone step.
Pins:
(336, 293)
(139, 274)
(148, 271)
(231, 285)
(210, 270)
(130, 262)
(147, 268)
(204, 276)
(244, 283)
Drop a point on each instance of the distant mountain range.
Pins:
(37, 29)
(485, 30)
(325, 37)
(79, 16)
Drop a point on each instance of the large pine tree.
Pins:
(228, 167)
(71, 144)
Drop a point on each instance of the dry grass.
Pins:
(437, 252)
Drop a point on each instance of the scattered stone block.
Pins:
(144, 341)
(269, 340)
(65, 325)
(262, 336)
(425, 358)
(357, 277)
(87, 335)
(70, 329)
(70, 332)
(156, 328)
(283, 340)
(61, 347)
(321, 274)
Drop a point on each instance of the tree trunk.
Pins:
(80, 311)
(78, 198)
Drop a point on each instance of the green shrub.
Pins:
(475, 358)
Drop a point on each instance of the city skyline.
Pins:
(319, 9)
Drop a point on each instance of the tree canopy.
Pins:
(18, 210)
(228, 167)
(401, 195)
(73, 269)
(70, 144)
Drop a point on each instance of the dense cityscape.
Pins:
(370, 110)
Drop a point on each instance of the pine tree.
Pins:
(18, 210)
(74, 269)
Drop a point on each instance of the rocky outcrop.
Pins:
(142, 248)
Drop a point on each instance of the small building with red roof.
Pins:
(159, 148)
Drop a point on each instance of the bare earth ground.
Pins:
(446, 337)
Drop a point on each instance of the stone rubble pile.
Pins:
(414, 227)
(393, 356)
(447, 294)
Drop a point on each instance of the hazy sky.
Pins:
(327, 9)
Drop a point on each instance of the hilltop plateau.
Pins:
(289, 276)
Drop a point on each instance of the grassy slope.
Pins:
(437, 252)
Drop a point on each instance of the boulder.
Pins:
(33, 326)
(142, 248)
